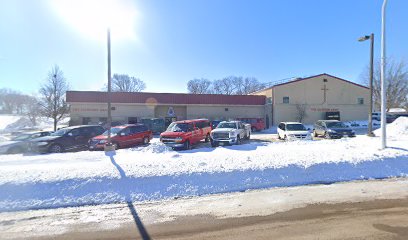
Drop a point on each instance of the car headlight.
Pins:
(103, 141)
(232, 135)
(331, 131)
(42, 143)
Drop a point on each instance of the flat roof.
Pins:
(163, 98)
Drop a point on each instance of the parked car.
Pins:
(332, 129)
(122, 136)
(156, 125)
(231, 132)
(257, 124)
(215, 123)
(73, 138)
(389, 117)
(20, 143)
(293, 131)
(184, 134)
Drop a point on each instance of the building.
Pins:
(90, 107)
(318, 97)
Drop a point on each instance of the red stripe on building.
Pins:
(163, 98)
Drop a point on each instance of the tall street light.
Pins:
(370, 107)
(383, 97)
(108, 146)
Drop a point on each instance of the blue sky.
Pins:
(179, 40)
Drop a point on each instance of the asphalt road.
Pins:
(356, 210)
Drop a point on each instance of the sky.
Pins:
(167, 43)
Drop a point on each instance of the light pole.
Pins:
(108, 146)
(370, 107)
(383, 97)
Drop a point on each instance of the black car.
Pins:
(332, 129)
(73, 138)
(20, 143)
(215, 123)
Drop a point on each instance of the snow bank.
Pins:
(155, 172)
(11, 123)
(6, 120)
(396, 129)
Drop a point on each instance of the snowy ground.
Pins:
(156, 172)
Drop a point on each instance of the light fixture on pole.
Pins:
(370, 107)
(383, 97)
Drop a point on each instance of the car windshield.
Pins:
(177, 127)
(114, 131)
(295, 127)
(22, 137)
(60, 132)
(336, 125)
(226, 125)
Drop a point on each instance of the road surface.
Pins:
(357, 210)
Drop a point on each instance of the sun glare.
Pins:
(92, 17)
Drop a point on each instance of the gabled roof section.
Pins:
(306, 78)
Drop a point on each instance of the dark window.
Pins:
(285, 99)
(86, 120)
(269, 100)
(360, 101)
(226, 109)
(132, 120)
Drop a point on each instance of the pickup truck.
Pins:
(231, 132)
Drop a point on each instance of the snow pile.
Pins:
(396, 129)
(154, 147)
(155, 172)
(12, 123)
(6, 120)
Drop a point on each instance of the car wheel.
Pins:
(15, 150)
(146, 140)
(253, 129)
(187, 145)
(238, 140)
(314, 133)
(207, 138)
(56, 148)
(326, 135)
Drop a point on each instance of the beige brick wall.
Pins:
(218, 112)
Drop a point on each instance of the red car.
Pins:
(257, 124)
(122, 136)
(183, 134)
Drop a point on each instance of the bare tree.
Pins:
(126, 83)
(53, 92)
(396, 84)
(33, 109)
(225, 86)
(8, 100)
(247, 85)
(300, 111)
(199, 86)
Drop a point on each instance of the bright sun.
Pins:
(92, 17)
